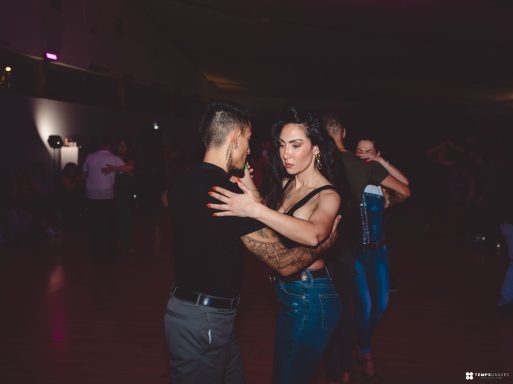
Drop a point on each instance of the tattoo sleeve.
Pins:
(266, 245)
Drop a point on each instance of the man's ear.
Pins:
(235, 135)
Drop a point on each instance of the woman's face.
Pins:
(365, 147)
(296, 150)
(122, 148)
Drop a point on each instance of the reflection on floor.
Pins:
(67, 318)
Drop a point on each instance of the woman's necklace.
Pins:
(292, 191)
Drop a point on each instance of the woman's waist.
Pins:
(315, 271)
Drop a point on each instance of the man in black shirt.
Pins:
(209, 262)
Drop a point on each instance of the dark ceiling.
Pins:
(360, 52)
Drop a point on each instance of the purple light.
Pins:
(57, 336)
(51, 56)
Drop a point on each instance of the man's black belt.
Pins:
(205, 300)
(373, 245)
(300, 276)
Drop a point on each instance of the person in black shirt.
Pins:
(209, 264)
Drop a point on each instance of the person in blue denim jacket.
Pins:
(372, 281)
(358, 173)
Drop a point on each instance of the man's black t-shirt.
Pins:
(207, 250)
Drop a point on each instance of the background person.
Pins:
(372, 279)
(343, 255)
(124, 197)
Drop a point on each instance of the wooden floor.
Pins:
(68, 319)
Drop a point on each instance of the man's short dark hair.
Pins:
(219, 120)
(332, 123)
(102, 140)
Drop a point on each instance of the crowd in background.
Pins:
(43, 203)
(460, 189)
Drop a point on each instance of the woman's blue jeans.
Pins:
(372, 284)
(309, 313)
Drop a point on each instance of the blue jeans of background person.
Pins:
(309, 312)
(372, 283)
(507, 284)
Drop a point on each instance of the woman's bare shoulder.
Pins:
(329, 193)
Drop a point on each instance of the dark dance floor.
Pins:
(68, 319)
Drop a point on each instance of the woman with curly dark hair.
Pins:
(301, 205)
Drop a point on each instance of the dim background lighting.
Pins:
(51, 56)
(51, 118)
(5, 76)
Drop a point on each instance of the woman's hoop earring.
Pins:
(318, 163)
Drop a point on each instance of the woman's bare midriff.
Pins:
(318, 264)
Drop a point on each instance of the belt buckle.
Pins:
(272, 278)
(304, 276)
(204, 300)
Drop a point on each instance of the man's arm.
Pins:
(127, 168)
(266, 245)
